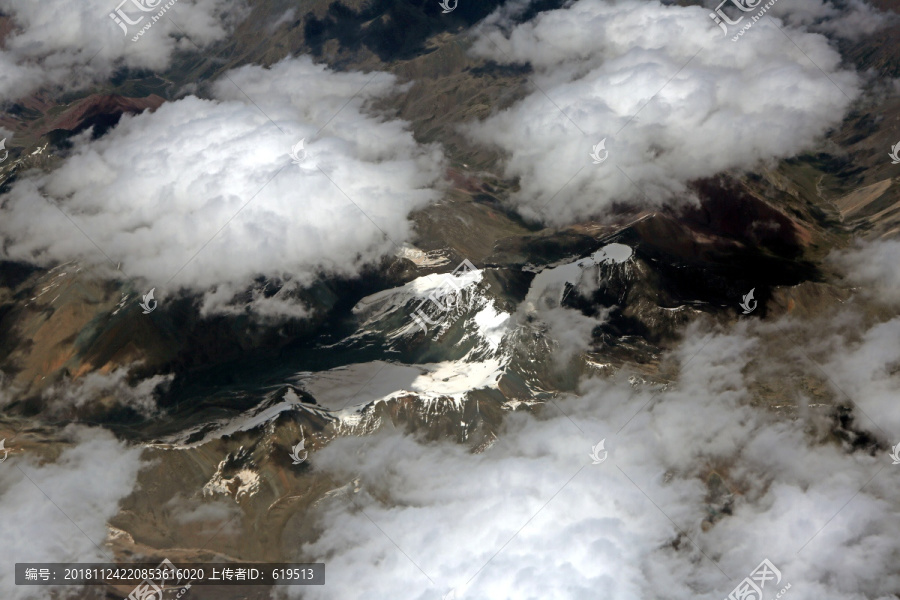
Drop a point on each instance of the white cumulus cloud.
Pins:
(58, 511)
(213, 177)
(532, 517)
(72, 44)
(674, 100)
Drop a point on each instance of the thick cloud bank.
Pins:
(532, 517)
(86, 483)
(672, 97)
(71, 44)
(159, 186)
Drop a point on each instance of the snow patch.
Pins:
(491, 325)
(382, 303)
(551, 283)
(247, 483)
(616, 253)
(423, 259)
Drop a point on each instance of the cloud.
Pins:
(94, 388)
(531, 517)
(202, 517)
(872, 265)
(71, 45)
(850, 19)
(160, 187)
(184, 511)
(86, 483)
(570, 329)
(865, 368)
(674, 100)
